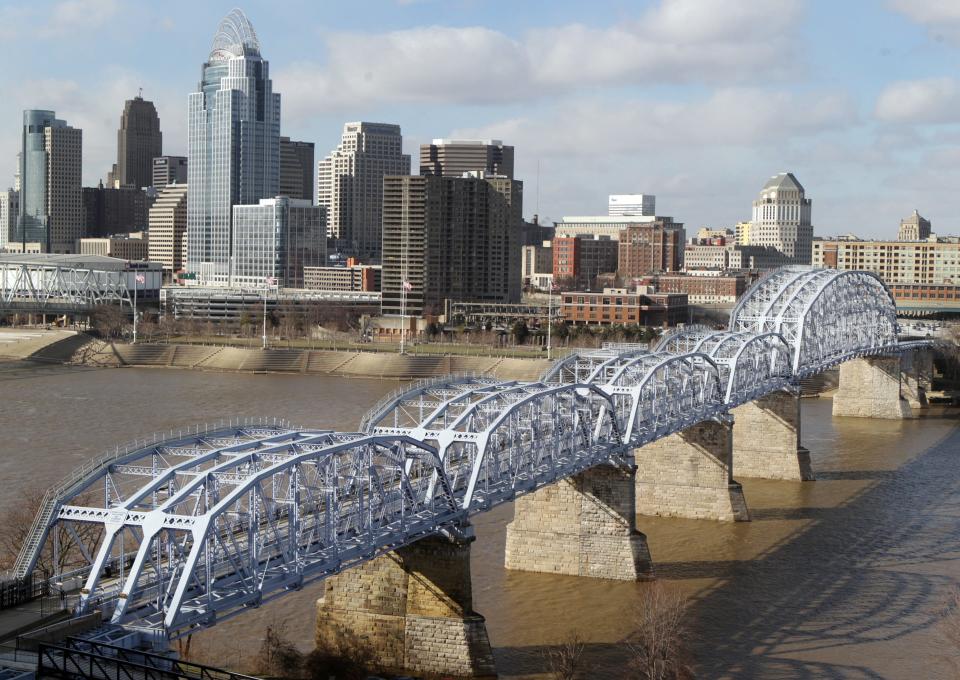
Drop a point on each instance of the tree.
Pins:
(278, 657)
(659, 645)
(565, 660)
(520, 332)
(108, 321)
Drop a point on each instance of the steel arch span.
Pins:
(185, 530)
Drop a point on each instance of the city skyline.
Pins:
(872, 137)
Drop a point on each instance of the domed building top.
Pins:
(235, 37)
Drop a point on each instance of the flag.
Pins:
(407, 286)
(141, 278)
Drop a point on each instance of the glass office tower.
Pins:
(233, 145)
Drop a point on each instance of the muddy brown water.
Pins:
(845, 577)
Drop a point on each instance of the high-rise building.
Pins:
(296, 169)
(651, 248)
(620, 205)
(456, 156)
(169, 170)
(9, 209)
(276, 239)
(914, 228)
(108, 210)
(350, 185)
(50, 171)
(139, 141)
(742, 233)
(168, 229)
(781, 218)
(233, 145)
(931, 262)
(449, 238)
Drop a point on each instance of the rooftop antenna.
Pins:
(140, 93)
(538, 186)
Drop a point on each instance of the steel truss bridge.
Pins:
(57, 288)
(179, 532)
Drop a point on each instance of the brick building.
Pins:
(651, 248)
(621, 306)
(579, 260)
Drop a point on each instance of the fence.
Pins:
(15, 591)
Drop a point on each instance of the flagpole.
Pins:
(135, 286)
(549, 318)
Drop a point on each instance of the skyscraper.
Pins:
(914, 228)
(781, 219)
(276, 239)
(9, 209)
(169, 170)
(233, 145)
(350, 185)
(50, 169)
(139, 141)
(456, 156)
(168, 229)
(449, 238)
(296, 169)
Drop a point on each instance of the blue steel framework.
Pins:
(200, 526)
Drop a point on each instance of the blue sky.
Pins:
(696, 101)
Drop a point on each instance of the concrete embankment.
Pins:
(326, 362)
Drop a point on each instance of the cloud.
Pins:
(940, 17)
(72, 16)
(930, 100)
(695, 41)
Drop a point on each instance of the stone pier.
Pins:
(766, 439)
(916, 374)
(870, 388)
(581, 526)
(408, 611)
(689, 474)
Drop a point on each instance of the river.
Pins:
(845, 577)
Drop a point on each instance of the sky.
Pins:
(695, 101)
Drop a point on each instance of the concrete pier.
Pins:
(581, 526)
(408, 611)
(870, 388)
(916, 374)
(689, 474)
(766, 439)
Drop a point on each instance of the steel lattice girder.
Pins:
(228, 518)
(41, 286)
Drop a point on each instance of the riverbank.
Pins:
(302, 361)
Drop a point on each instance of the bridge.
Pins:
(174, 534)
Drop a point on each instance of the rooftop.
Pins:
(235, 37)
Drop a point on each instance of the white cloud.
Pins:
(940, 17)
(930, 100)
(699, 41)
(70, 16)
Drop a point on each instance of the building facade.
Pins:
(620, 205)
(908, 262)
(449, 238)
(139, 141)
(781, 218)
(651, 248)
(108, 210)
(914, 228)
(455, 157)
(124, 247)
(350, 186)
(723, 289)
(168, 229)
(536, 262)
(601, 225)
(169, 170)
(356, 277)
(641, 306)
(233, 145)
(296, 169)
(9, 209)
(579, 260)
(50, 173)
(276, 239)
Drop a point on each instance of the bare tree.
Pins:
(565, 660)
(15, 523)
(660, 646)
(278, 657)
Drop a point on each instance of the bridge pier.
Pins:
(581, 526)
(410, 610)
(916, 373)
(766, 439)
(689, 474)
(870, 388)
